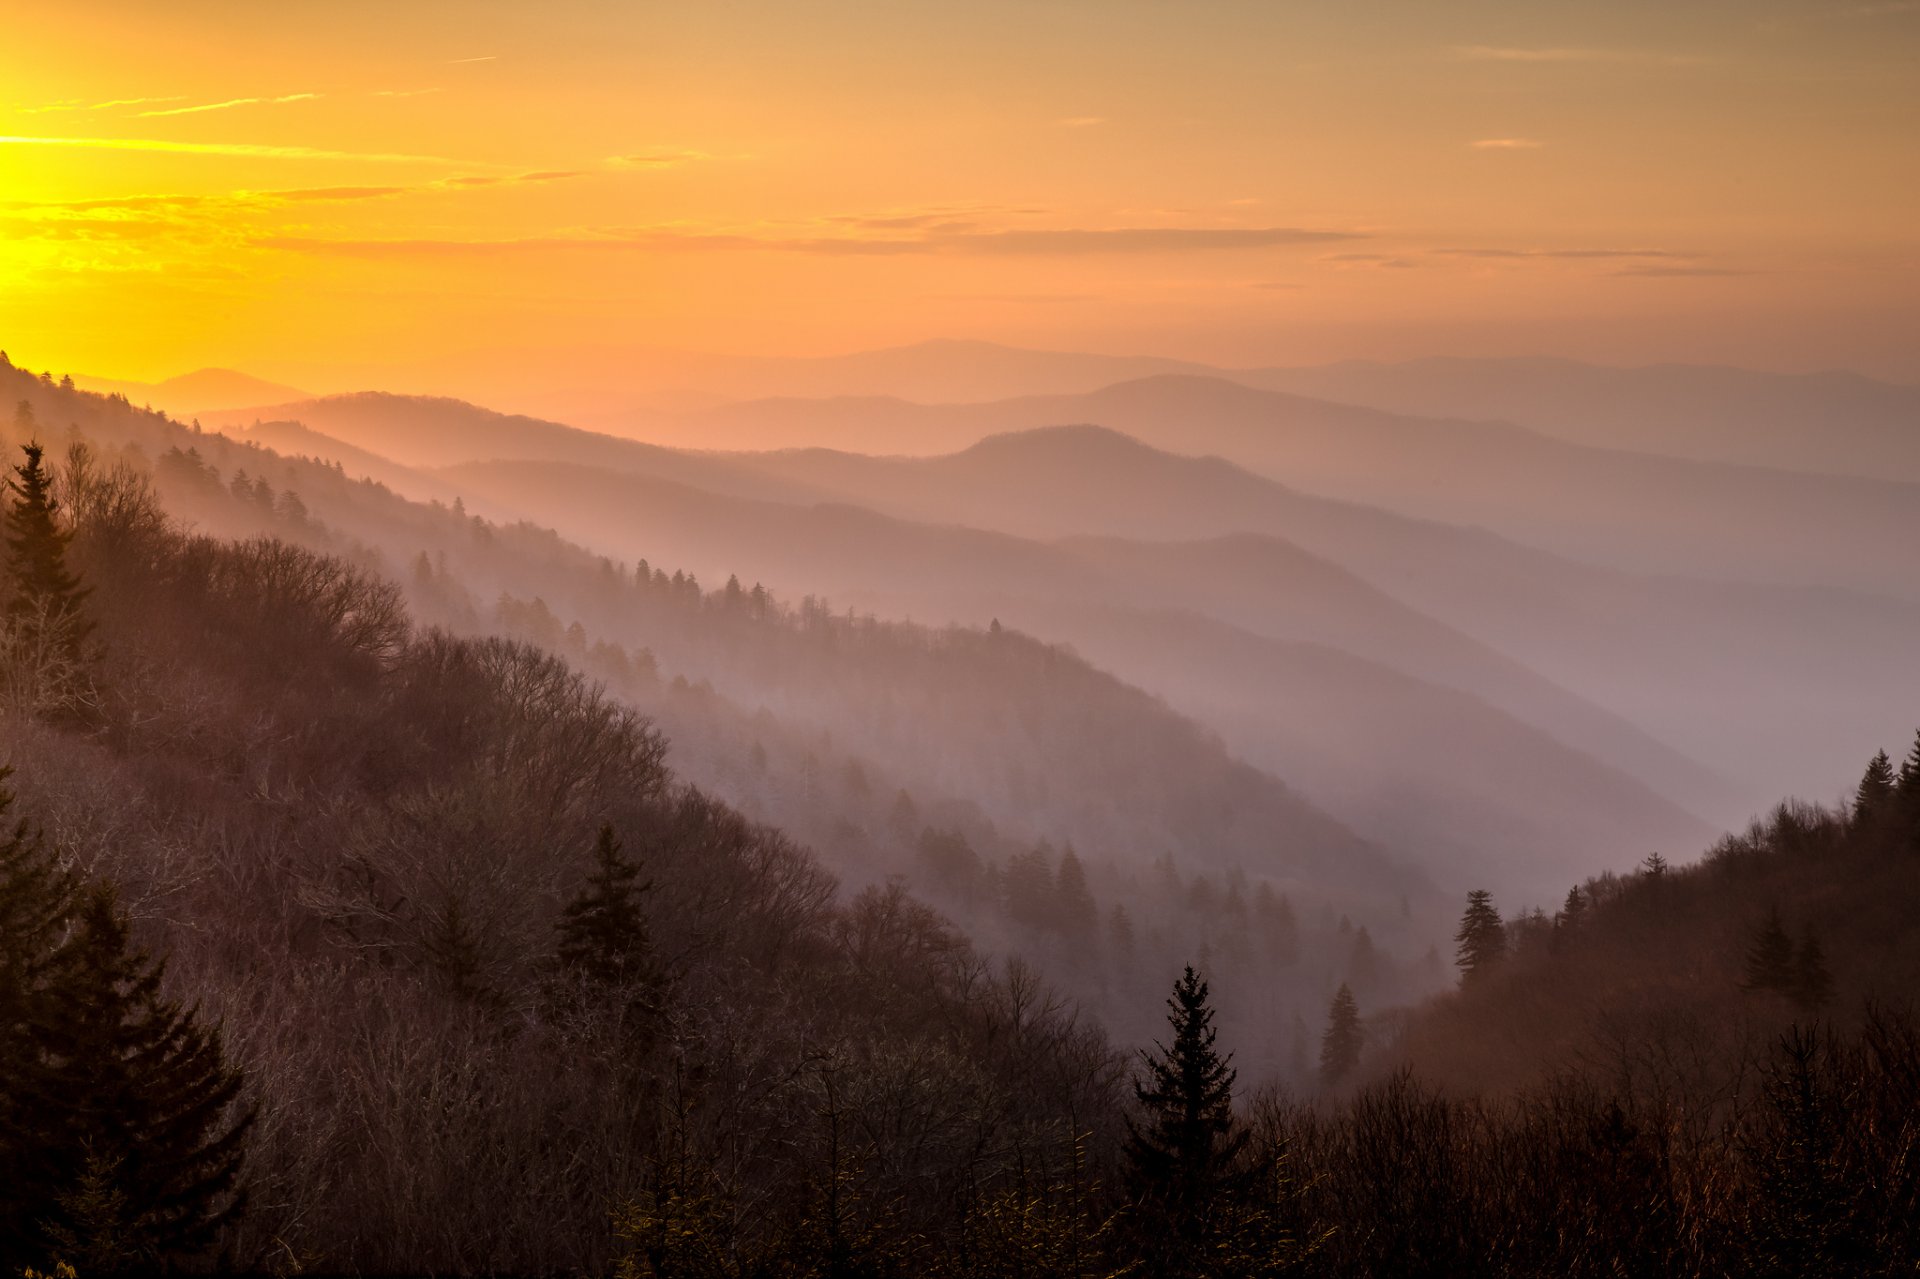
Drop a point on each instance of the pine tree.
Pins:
(36, 905)
(142, 1133)
(1340, 1045)
(1812, 985)
(1876, 788)
(1572, 916)
(40, 589)
(1770, 956)
(1073, 900)
(1909, 780)
(1482, 939)
(1184, 1154)
(603, 932)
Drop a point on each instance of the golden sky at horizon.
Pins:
(354, 193)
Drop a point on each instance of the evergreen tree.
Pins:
(603, 931)
(1908, 782)
(1876, 788)
(1073, 900)
(1340, 1045)
(1183, 1156)
(140, 1137)
(1482, 939)
(453, 950)
(41, 590)
(36, 904)
(1812, 986)
(1770, 956)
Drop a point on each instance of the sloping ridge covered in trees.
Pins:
(358, 843)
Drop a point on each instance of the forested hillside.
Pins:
(1053, 811)
(339, 941)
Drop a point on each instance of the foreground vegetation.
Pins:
(459, 977)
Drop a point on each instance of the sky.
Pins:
(357, 193)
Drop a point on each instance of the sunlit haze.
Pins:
(338, 194)
(839, 639)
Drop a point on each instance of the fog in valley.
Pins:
(989, 643)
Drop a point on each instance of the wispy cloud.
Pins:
(77, 105)
(933, 240)
(1507, 144)
(549, 175)
(1501, 253)
(1644, 57)
(339, 193)
(660, 159)
(489, 57)
(1679, 272)
(230, 103)
(1388, 261)
(248, 149)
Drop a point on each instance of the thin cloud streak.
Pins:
(231, 103)
(1644, 57)
(100, 106)
(1507, 144)
(247, 149)
(1065, 241)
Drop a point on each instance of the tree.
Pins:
(1909, 780)
(1876, 788)
(1812, 985)
(1184, 1154)
(603, 931)
(1340, 1045)
(1770, 956)
(1573, 914)
(140, 1134)
(41, 590)
(36, 903)
(1482, 938)
(1073, 900)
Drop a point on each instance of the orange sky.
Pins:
(357, 193)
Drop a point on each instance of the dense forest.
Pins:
(359, 916)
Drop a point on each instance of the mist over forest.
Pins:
(527, 848)
(1089, 640)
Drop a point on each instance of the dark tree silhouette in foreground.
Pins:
(1340, 1046)
(603, 931)
(1482, 938)
(119, 1128)
(40, 589)
(1184, 1152)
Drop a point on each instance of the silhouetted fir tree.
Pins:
(1482, 938)
(36, 904)
(454, 953)
(1073, 901)
(142, 1137)
(40, 587)
(1908, 782)
(1571, 918)
(1876, 788)
(1340, 1045)
(604, 937)
(1653, 867)
(1183, 1155)
(1812, 985)
(1770, 956)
